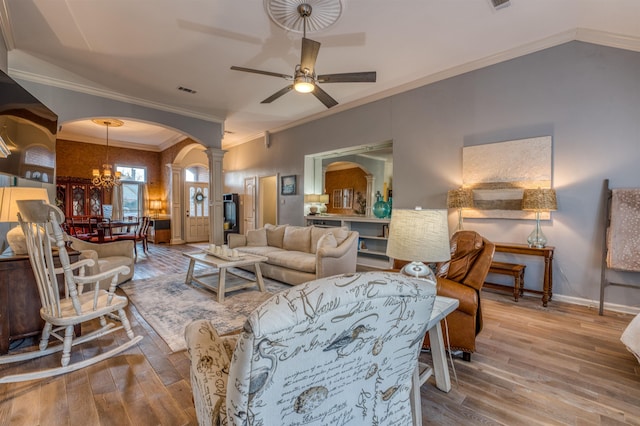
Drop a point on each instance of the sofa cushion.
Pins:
(257, 237)
(260, 250)
(327, 240)
(292, 259)
(275, 234)
(297, 238)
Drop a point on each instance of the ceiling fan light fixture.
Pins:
(304, 84)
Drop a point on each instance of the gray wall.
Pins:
(587, 97)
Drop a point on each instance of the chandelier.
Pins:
(107, 179)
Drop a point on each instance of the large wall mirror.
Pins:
(350, 177)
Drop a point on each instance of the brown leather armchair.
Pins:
(462, 278)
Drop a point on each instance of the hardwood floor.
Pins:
(558, 365)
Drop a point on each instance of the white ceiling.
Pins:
(144, 50)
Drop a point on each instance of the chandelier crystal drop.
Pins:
(107, 179)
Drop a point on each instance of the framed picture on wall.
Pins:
(288, 185)
(337, 198)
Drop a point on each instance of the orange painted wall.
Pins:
(354, 178)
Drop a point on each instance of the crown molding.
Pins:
(93, 91)
(74, 137)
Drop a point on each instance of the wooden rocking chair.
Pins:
(41, 225)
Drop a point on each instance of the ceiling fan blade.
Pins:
(324, 97)
(349, 77)
(278, 94)
(251, 70)
(309, 54)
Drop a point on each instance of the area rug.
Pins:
(168, 304)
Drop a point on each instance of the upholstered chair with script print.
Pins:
(338, 350)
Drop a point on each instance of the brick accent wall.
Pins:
(78, 159)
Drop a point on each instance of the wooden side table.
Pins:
(19, 298)
(546, 252)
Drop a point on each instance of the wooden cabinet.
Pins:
(78, 197)
(19, 298)
(373, 235)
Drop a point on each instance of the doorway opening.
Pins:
(268, 200)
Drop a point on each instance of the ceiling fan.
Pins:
(305, 79)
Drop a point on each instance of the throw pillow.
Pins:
(341, 234)
(257, 237)
(328, 241)
(275, 234)
(297, 238)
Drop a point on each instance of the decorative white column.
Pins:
(175, 204)
(216, 212)
(372, 197)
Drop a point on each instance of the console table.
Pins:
(159, 231)
(546, 252)
(19, 298)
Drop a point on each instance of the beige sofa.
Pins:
(298, 254)
(107, 256)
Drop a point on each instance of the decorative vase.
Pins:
(380, 208)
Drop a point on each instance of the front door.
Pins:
(249, 201)
(197, 213)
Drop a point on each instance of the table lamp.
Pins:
(538, 200)
(324, 200)
(312, 199)
(155, 206)
(9, 212)
(461, 198)
(417, 236)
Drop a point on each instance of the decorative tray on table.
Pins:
(225, 257)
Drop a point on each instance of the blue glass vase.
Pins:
(380, 207)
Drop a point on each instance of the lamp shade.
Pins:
(9, 212)
(540, 199)
(324, 198)
(311, 198)
(155, 204)
(419, 235)
(461, 198)
(11, 194)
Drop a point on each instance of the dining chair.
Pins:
(83, 300)
(140, 235)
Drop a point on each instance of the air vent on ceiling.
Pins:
(186, 89)
(499, 4)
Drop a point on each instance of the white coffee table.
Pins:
(222, 265)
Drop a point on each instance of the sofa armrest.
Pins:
(236, 240)
(115, 248)
(210, 356)
(92, 255)
(338, 260)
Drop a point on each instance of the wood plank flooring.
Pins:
(559, 365)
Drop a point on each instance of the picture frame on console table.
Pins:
(288, 185)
